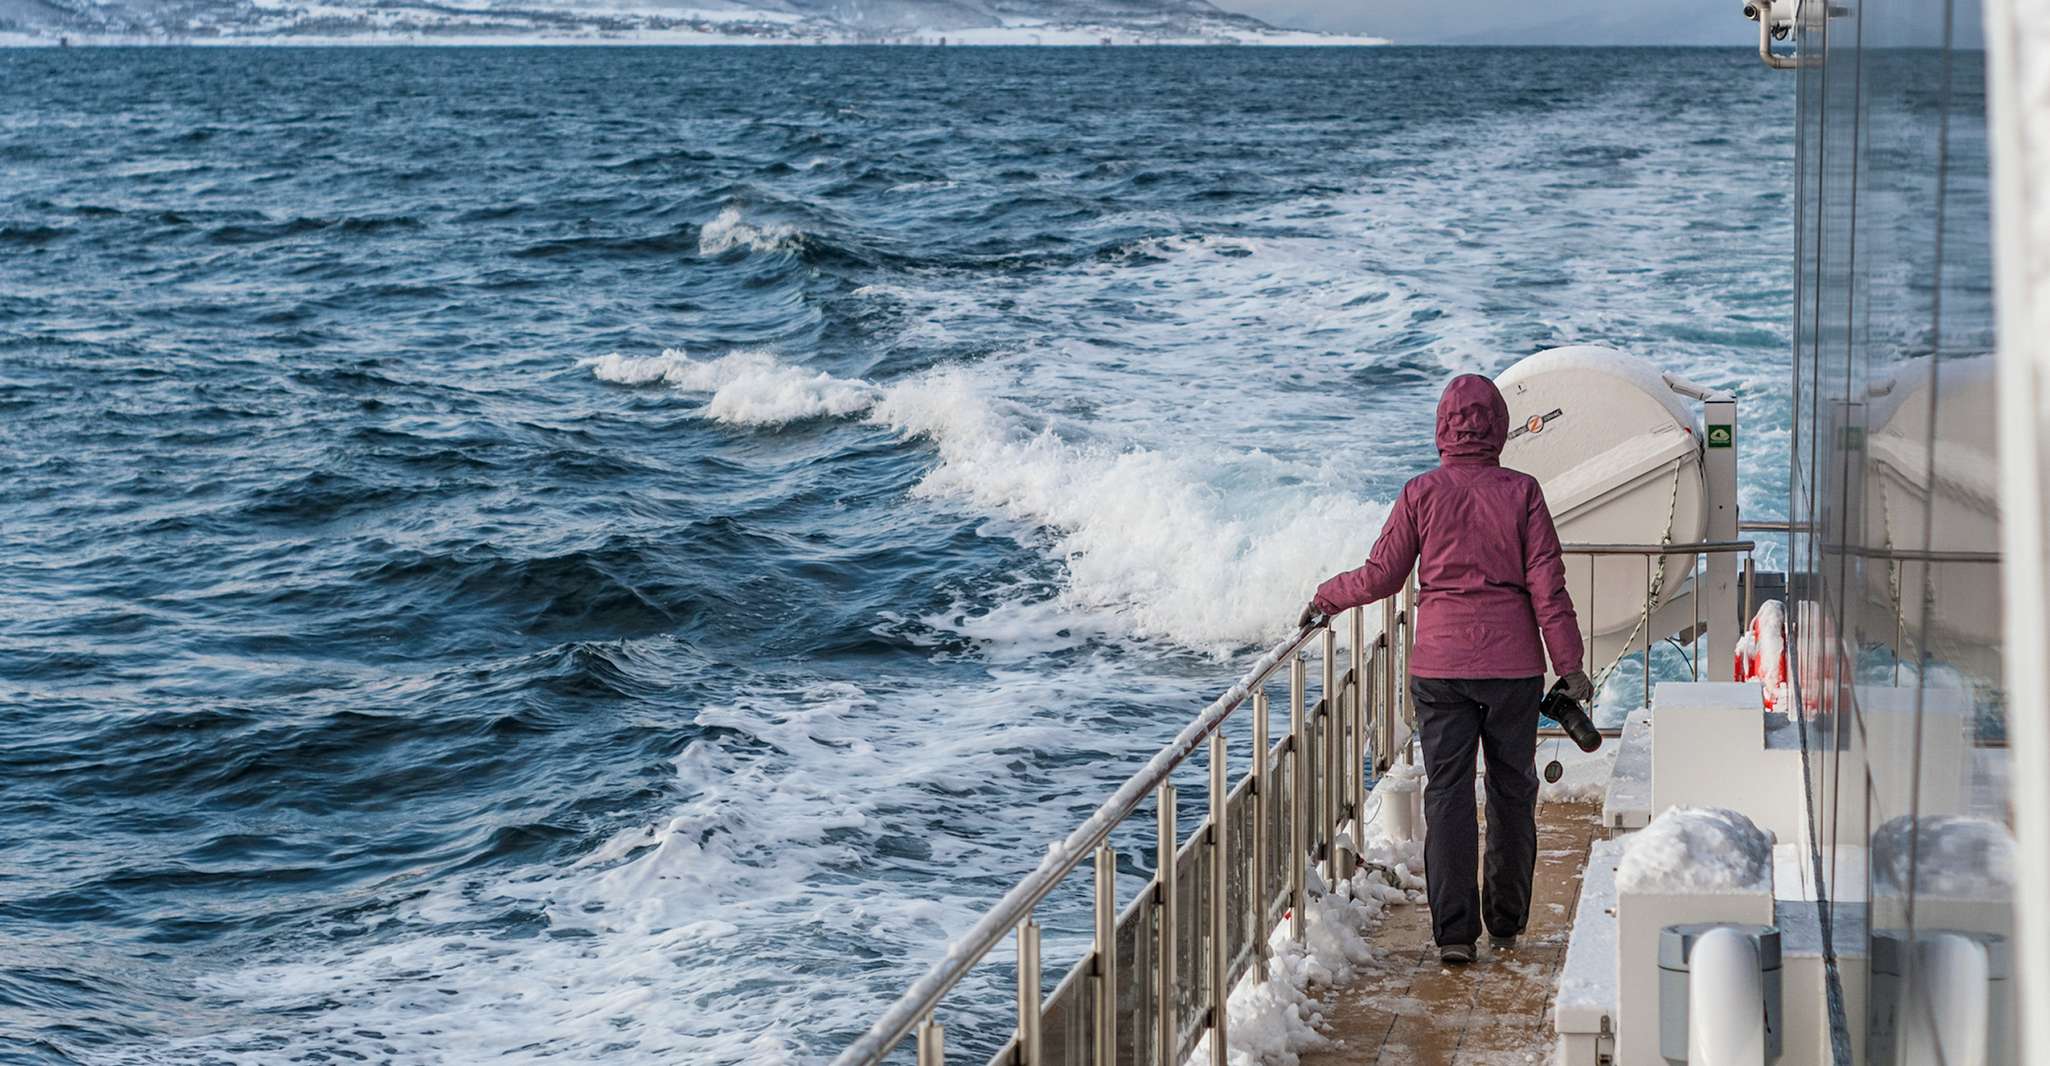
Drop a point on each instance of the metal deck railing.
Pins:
(1157, 975)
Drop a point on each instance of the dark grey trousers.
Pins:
(1457, 719)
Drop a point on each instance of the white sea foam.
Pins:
(1210, 547)
(728, 231)
(648, 943)
(1021, 624)
(747, 388)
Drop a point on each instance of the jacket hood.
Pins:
(1473, 421)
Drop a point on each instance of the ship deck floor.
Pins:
(1407, 1009)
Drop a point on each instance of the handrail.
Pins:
(1061, 859)
(1913, 555)
(1654, 597)
(1678, 547)
(1361, 705)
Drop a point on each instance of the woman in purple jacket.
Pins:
(1489, 582)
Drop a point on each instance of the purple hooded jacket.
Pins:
(1489, 575)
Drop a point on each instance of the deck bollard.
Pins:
(1164, 958)
(1262, 811)
(1028, 993)
(932, 1043)
(1220, 887)
(1106, 954)
(1299, 799)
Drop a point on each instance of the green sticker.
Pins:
(1722, 436)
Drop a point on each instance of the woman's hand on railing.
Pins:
(1311, 616)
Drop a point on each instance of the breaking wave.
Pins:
(747, 388)
(727, 232)
(1207, 547)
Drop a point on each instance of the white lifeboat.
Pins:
(1619, 453)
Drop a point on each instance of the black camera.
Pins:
(1572, 717)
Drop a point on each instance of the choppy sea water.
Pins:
(619, 555)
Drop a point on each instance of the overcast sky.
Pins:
(1516, 21)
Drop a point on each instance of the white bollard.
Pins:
(1725, 1001)
(1944, 1020)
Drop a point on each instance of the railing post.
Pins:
(1593, 564)
(1163, 960)
(1299, 798)
(1697, 650)
(1384, 717)
(1262, 811)
(932, 1043)
(1409, 617)
(1356, 754)
(1648, 607)
(1220, 886)
(1362, 686)
(1898, 614)
(1750, 592)
(1028, 994)
(1106, 956)
(1327, 819)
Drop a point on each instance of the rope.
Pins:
(1651, 593)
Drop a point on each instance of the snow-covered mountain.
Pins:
(650, 21)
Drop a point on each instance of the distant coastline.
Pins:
(917, 23)
(1058, 39)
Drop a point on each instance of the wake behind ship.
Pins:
(1805, 843)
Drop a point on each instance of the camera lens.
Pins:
(1571, 717)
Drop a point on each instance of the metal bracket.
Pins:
(1776, 19)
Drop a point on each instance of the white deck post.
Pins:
(1719, 584)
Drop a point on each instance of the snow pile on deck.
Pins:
(1949, 856)
(1390, 871)
(1403, 777)
(1272, 1021)
(1697, 849)
(1586, 776)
